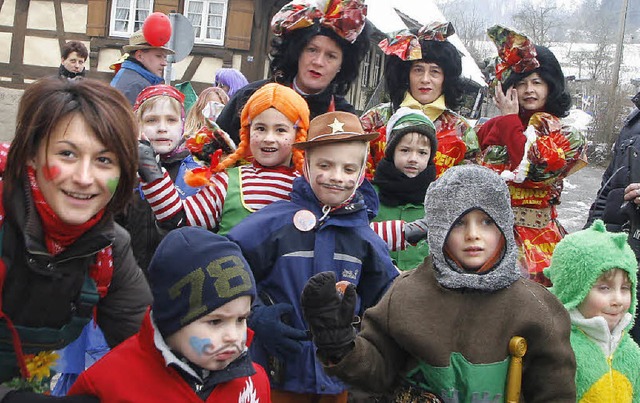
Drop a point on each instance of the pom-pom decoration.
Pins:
(157, 29)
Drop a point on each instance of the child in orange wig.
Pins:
(273, 119)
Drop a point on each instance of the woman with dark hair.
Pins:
(316, 52)
(529, 145)
(73, 56)
(423, 71)
(67, 172)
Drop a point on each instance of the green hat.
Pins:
(583, 256)
(407, 120)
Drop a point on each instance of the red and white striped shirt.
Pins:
(260, 186)
(392, 232)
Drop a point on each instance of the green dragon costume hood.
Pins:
(581, 257)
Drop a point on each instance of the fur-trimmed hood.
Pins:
(459, 190)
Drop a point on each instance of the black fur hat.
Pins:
(558, 100)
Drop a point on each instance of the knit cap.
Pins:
(192, 273)
(583, 256)
(407, 120)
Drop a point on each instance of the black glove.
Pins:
(149, 168)
(415, 231)
(32, 397)
(279, 338)
(329, 315)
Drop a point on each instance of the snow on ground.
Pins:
(579, 193)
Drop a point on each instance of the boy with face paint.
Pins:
(161, 116)
(192, 346)
(324, 226)
(442, 331)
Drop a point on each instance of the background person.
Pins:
(402, 178)
(230, 80)
(74, 55)
(317, 52)
(144, 66)
(529, 145)
(616, 177)
(205, 111)
(423, 71)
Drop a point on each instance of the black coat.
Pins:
(41, 290)
(139, 220)
(616, 177)
(229, 119)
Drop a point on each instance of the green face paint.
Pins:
(112, 184)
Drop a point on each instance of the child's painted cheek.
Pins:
(201, 346)
(50, 172)
(112, 184)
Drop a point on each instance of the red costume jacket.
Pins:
(135, 371)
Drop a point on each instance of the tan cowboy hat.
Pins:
(335, 127)
(137, 41)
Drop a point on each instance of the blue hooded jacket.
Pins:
(283, 258)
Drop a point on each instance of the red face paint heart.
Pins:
(50, 172)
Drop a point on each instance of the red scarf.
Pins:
(58, 235)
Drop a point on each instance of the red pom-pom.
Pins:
(157, 29)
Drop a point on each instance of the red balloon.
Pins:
(157, 29)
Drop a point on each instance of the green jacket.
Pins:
(413, 256)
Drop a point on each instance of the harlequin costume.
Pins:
(144, 368)
(607, 360)
(440, 330)
(457, 140)
(534, 151)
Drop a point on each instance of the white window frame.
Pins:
(131, 23)
(201, 37)
(364, 72)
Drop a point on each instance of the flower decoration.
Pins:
(406, 45)
(516, 52)
(39, 377)
(209, 145)
(345, 17)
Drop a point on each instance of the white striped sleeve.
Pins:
(391, 231)
(162, 197)
(204, 209)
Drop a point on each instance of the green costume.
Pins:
(608, 367)
(412, 256)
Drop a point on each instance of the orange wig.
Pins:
(286, 101)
